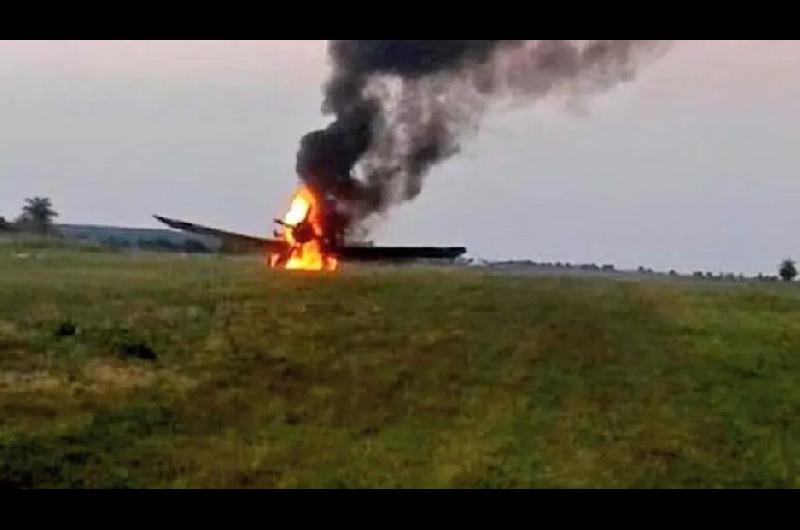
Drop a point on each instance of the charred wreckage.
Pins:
(312, 236)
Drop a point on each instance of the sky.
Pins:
(692, 166)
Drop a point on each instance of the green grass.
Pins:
(389, 377)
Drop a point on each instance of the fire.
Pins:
(303, 230)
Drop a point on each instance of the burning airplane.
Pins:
(310, 242)
(311, 237)
(399, 107)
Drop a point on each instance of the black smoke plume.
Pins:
(401, 106)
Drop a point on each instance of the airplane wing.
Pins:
(228, 239)
(242, 242)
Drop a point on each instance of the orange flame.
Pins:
(307, 254)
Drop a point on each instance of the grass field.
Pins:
(388, 377)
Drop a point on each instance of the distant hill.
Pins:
(139, 238)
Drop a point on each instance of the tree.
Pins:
(4, 224)
(787, 270)
(37, 215)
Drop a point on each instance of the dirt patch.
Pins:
(106, 376)
(13, 382)
(97, 377)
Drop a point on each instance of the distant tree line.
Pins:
(158, 244)
(37, 218)
(787, 270)
(559, 265)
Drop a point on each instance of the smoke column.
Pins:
(401, 106)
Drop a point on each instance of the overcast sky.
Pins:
(691, 166)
